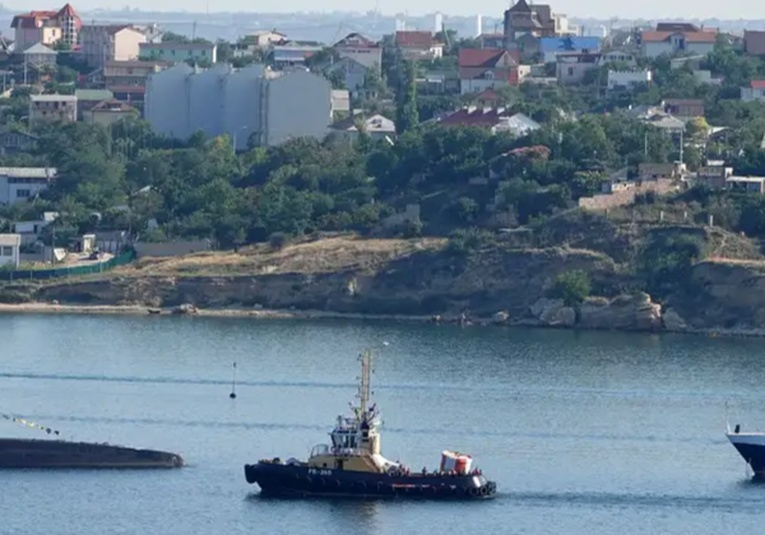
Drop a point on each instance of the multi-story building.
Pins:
(22, 183)
(52, 108)
(268, 107)
(484, 68)
(130, 73)
(628, 78)
(108, 112)
(111, 42)
(677, 39)
(417, 45)
(523, 19)
(179, 52)
(360, 49)
(46, 27)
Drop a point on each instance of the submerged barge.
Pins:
(33, 453)
(353, 466)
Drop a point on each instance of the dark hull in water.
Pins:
(300, 481)
(751, 446)
(21, 453)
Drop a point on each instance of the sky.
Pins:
(648, 9)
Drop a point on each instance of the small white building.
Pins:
(627, 79)
(9, 250)
(22, 183)
(755, 92)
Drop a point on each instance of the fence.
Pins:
(42, 274)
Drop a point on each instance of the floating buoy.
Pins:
(232, 395)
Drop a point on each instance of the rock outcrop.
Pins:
(628, 313)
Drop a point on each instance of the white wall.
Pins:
(751, 95)
(9, 254)
(166, 104)
(240, 103)
(299, 104)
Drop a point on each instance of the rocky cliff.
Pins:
(421, 277)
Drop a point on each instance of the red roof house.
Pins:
(484, 68)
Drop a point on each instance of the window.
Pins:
(23, 193)
(571, 71)
(6, 250)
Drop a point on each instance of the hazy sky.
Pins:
(730, 9)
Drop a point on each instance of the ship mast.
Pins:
(364, 386)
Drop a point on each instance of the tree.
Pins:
(573, 287)
(406, 111)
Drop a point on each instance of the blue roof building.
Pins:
(552, 46)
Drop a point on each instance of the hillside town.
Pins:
(558, 117)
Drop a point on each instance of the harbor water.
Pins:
(583, 432)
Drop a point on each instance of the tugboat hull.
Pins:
(21, 453)
(751, 446)
(301, 481)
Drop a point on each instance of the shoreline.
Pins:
(142, 310)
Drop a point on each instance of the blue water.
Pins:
(594, 433)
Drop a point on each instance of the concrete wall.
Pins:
(238, 103)
(166, 104)
(299, 104)
(627, 196)
(171, 248)
(126, 44)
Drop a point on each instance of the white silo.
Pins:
(478, 25)
(438, 22)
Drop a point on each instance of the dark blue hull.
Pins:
(754, 455)
(300, 481)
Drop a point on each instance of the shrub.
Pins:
(572, 286)
(278, 240)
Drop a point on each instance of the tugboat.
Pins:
(353, 467)
(751, 446)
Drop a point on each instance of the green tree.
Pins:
(407, 116)
(572, 286)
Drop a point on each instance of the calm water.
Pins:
(590, 433)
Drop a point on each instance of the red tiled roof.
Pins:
(414, 39)
(706, 36)
(757, 84)
(482, 57)
(356, 40)
(487, 94)
(113, 105)
(486, 117)
(34, 19)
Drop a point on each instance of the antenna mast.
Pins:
(364, 386)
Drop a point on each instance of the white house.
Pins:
(255, 103)
(375, 126)
(656, 43)
(30, 230)
(9, 250)
(627, 79)
(755, 92)
(519, 125)
(22, 183)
